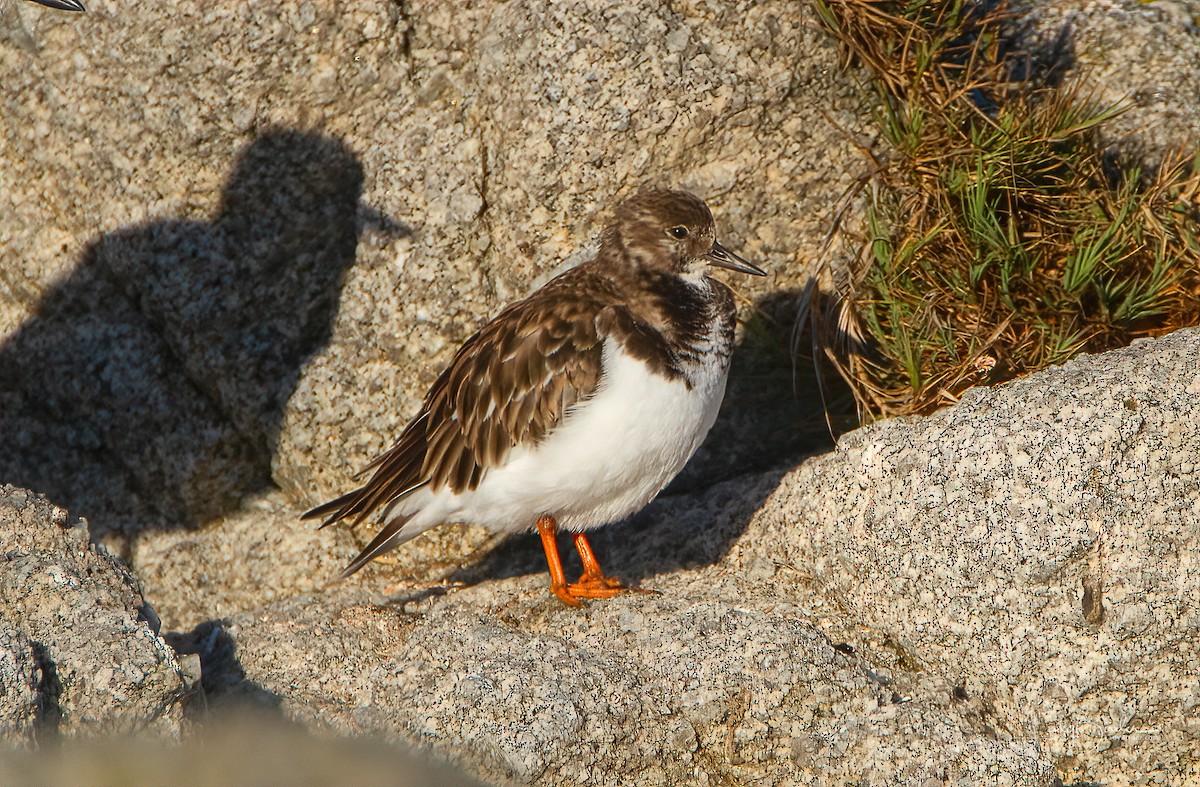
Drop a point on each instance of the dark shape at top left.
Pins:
(62, 5)
(148, 388)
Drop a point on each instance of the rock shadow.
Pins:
(262, 738)
(1038, 59)
(224, 688)
(148, 388)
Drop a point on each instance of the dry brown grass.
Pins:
(1000, 237)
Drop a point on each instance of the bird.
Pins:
(575, 406)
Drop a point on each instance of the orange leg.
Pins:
(592, 583)
(548, 530)
(593, 575)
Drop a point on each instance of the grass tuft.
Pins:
(1000, 236)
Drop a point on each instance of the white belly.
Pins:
(611, 455)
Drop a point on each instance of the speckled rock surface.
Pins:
(250, 556)
(701, 685)
(1142, 54)
(73, 621)
(237, 243)
(1036, 543)
(20, 697)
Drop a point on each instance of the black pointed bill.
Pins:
(62, 5)
(722, 257)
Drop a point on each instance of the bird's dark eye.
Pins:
(678, 232)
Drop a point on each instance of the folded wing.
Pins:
(509, 385)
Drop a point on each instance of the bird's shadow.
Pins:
(148, 387)
(771, 419)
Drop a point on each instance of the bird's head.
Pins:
(672, 231)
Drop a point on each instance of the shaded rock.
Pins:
(1141, 54)
(72, 620)
(147, 388)
(20, 696)
(184, 249)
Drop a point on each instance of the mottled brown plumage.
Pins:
(514, 381)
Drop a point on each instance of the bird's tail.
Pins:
(333, 510)
(360, 502)
(391, 536)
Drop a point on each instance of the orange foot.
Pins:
(592, 583)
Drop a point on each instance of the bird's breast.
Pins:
(701, 342)
(611, 454)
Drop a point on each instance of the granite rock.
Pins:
(79, 647)
(714, 681)
(238, 243)
(1002, 590)
(1034, 544)
(20, 692)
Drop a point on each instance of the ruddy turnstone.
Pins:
(574, 407)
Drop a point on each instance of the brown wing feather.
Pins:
(509, 384)
(502, 391)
